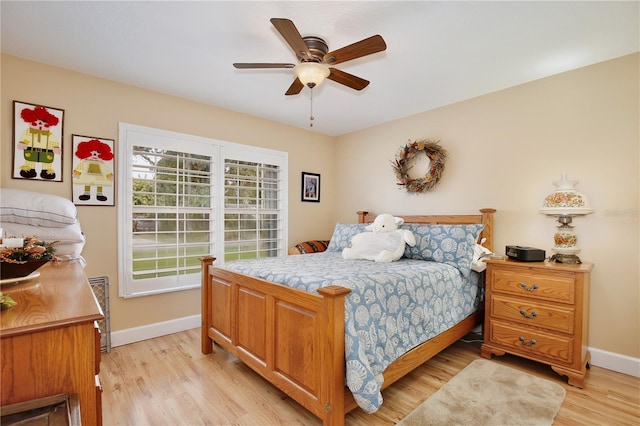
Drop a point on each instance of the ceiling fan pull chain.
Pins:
(311, 110)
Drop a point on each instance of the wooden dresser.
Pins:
(540, 311)
(50, 341)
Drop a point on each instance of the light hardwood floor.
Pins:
(168, 381)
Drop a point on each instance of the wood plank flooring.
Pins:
(168, 381)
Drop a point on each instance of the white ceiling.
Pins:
(437, 52)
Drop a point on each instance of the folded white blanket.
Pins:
(70, 238)
(47, 217)
(36, 208)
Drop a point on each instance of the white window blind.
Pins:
(171, 212)
(252, 200)
(183, 197)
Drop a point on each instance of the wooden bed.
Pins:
(295, 339)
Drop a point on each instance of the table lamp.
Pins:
(565, 203)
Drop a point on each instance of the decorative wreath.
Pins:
(404, 161)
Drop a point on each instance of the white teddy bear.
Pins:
(383, 243)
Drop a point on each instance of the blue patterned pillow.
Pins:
(421, 234)
(450, 244)
(342, 235)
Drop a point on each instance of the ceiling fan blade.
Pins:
(347, 79)
(295, 88)
(261, 65)
(290, 33)
(356, 50)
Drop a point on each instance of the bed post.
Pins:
(332, 391)
(487, 232)
(207, 344)
(361, 216)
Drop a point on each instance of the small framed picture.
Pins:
(93, 174)
(37, 142)
(310, 187)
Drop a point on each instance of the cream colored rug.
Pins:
(487, 393)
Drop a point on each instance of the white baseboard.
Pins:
(615, 362)
(604, 359)
(138, 334)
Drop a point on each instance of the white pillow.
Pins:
(35, 208)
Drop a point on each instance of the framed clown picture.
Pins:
(37, 142)
(93, 173)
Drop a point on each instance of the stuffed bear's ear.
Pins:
(399, 221)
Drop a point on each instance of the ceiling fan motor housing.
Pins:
(317, 47)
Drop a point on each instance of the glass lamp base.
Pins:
(565, 258)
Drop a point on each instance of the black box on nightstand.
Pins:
(525, 254)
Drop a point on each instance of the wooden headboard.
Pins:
(485, 217)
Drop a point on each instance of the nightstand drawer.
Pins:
(532, 343)
(525, 312)
(557, 287)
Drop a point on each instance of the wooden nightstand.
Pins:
(540, 311)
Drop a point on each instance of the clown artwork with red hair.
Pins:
(93, 170)
(39, 116)
(101, 150)
(39, 143)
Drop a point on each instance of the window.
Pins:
(251, 210)
(182, 197)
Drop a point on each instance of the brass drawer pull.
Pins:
(532, 288)
(525, 343)
(525, 315)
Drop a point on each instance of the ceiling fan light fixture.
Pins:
(311, 74)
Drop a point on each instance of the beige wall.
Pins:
(504, 148)
(94, 106)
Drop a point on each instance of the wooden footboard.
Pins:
(295, 339)
(292, 338)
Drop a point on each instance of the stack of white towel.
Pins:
(48, 217)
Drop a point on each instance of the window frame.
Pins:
(133, 135)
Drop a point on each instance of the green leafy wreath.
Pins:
(406, 157)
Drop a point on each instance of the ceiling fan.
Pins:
(315, 60)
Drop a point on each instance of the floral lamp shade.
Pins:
(565, 203)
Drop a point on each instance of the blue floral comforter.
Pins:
(392, 307)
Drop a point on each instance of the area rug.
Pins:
(487, 393)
